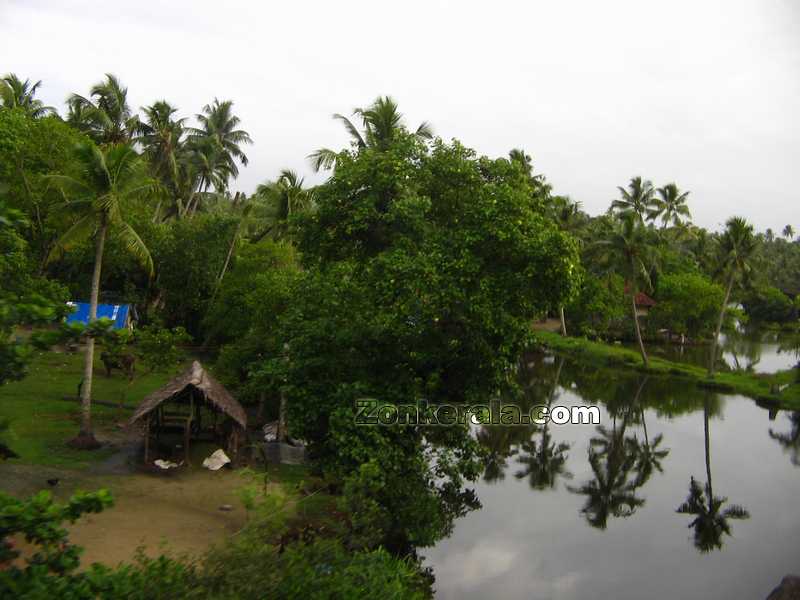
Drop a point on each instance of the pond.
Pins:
(585, 511)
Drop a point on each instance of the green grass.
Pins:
(757, 386)
(40, 421)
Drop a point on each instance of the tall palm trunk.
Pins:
(86, 435)
(638, 329)
(563, 321)
(713, 361)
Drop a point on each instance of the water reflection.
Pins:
(790, 441)
(744, 350)
(579, 511)
(711, 520)
(544, 461)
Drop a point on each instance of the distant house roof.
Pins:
(119, 313)
(642, 299)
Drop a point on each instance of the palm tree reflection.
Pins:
(711, 520)
(619, 467)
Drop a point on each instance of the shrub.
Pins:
(158, 346)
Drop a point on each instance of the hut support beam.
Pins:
(147, 439)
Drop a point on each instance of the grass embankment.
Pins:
(757, 386)
(41, 421)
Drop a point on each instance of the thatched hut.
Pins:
(182, 404)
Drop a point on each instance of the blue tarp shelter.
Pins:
(121, 314)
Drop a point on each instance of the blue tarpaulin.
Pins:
(118, 313)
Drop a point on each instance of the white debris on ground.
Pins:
(165, 464)
(217, 460)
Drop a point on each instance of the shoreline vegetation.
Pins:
(778, 390)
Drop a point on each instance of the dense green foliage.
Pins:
(687, 304)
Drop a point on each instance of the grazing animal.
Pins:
(124, 362)
(53, 482)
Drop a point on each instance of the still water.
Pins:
(751, 350)
(580, 511)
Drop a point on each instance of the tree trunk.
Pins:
(563, 321)
(713, 361)
(638, 329)
(157, 210)
(282, 433)
(86, 437)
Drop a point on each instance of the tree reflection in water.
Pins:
(620, 465)
(544, 461)
(711, 520)
(790, 441)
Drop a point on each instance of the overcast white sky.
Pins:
(705, 93)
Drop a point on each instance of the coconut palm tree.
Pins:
(711, 521)
(281, 199)
(736, 248)
(220, 141)
(110, 178)
(670, 206)
(15, 93)
(568, 216)
(637, 199)
(380, 122)
(788, 232)
(162, 138)
(630, 251)
(106, 115)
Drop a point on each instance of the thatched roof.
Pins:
(196, 378)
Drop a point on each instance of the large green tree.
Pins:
(425, 266)
(110, 179)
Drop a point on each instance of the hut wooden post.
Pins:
(147, 439)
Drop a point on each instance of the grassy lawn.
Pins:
(757, 386)
(40, 421)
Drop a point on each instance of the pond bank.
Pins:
(779, 389)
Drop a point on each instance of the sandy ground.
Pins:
(176, 512)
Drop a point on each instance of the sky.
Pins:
(704, 93)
